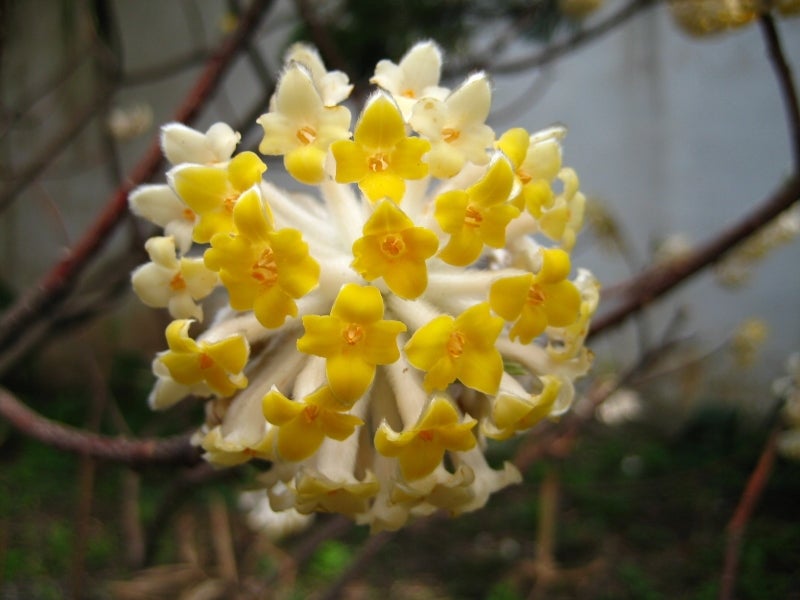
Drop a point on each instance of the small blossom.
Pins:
(212, 191)
(420, 449)
(354, 338)
(476, 216)
(537, 161)
(460, 348)
(217, 364)
(163, 207)
(533, 302)
(317, 493)
(170, 282)
(512, 413)
(393, 248)
(263, 269)
(334, 86)
(302, 425)
(380, 157)
(456, 127)
(300, 127)
(182, 144)
(416, 76)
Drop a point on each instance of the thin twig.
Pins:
(744, 510)
(56, 284)
(169, 450)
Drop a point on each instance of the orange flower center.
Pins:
(536, 295)
(306, 135)
(378, 162)
(265, 269)
(311, 412)
(450, 135)
(524, 176)
(409, 93)
(353, 334)
(426, 435)
(188, 214)
(177, 283)
(392, 245)
(472, 217)
(455, 344)
(206, 362)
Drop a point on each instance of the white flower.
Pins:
(416, 76)
(456, 126)
(163, 207)
(173, 283)
(182, 144)
(334, 86)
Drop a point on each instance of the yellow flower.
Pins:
(354, 338)
(536, 160)
(300, 127)
(212, 191)
(317, 493)
(380, 157)
(304, 424)
(512, 413)
(393, 248)
(459, 348)
(262, 269)
(218, 364)
(476, 216)
(534, 302)
(420, 450)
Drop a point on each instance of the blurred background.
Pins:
(676, 127)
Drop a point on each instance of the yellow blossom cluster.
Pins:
(411, 299)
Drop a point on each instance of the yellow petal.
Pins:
(245, 170)
(306, 164)
(514, 144)
(508, 295)
(358, 304)
(381, 125)
(278, 409)
(427, 345)
(351, 161)
(383, 184)
(349, 376)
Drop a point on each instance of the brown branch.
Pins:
(744, 510)
(56, 284)
(656, 281)
(171, 450)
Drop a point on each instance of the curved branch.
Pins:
(171, 450)
(656, 281)
(55, 284)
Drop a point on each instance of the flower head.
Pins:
(406, 300)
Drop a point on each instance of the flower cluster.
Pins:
(376, 333)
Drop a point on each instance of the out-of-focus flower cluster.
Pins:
(413, 298)
(737, 267)
(708, 17)
(787, 389)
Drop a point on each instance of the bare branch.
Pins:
(172, 450)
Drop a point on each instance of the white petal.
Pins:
(471, 101)
(182, 144)
(151, 283)
(156, 203)
(222, 141)
(161, 250)
(181, 306)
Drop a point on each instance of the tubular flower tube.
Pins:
(410, 299)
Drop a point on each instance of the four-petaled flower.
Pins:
(460, 348)
(456, 127)
(393, 248)
(263, 269)
(420, 449)
(301, 127)
(533, 302)
(212, 191)
(218, 364)
(354, 338)
(304, 424)
(476, 216)
(380, 157)
(172, 282)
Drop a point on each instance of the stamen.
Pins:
(535, 295)
(177, 283)
(230, 202)
(524, 176)
(409, 93)
(353, 333)
(426, 435)
(392, 245)
(473, 217)
(306, 135)
(188, 214)
(450, 135)
(311, 412)
(378, 162)
(455, 344)
(265, 269)
(206, 362)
